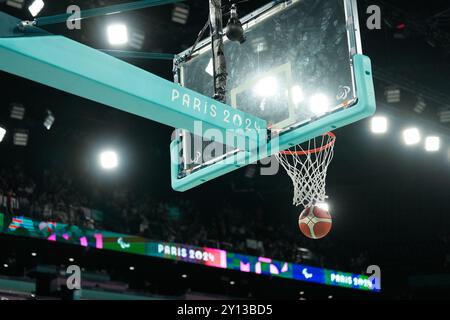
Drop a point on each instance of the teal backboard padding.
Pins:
(364, 107)
(72, 67)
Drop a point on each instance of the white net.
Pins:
(307, 164)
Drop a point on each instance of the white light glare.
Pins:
(33, 254)
(323, 205)
(36, 7)
(379, 125)
(210, 68)
(266, 87)
(297, 94)
(131, 268)
(117, 34)
(2, 133)
(319, 104)
(432, 144)
(108, 160)
(411, 136)
(71, 259)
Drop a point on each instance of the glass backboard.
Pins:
(295, 69)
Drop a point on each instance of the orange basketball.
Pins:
(314, 222)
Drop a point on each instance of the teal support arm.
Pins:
(80, 70)
(139, 55)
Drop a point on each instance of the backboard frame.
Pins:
(361, 107)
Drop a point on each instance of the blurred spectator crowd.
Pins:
(55, 196)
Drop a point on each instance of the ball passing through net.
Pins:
(307, 164)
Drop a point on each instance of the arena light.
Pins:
(71, 259)
(184, 276)
(36, 7)
(49, 120)
(20, 138)
(17, 111)
(137, 39)
(319, 104)
(411, 136)
(444, 116)
(2, 133)
(266, 87)
(420, 105)
(131, 268)
(180, 13)
(297, 94)
(393, 95)
(18, 4)
(432, 144)
(379, 125)
(109, 160)
(5, 265)
(33, 254)
(117, 34)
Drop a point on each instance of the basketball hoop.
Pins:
(307, 164)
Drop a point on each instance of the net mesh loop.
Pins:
(307, 165)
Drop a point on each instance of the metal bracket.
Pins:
(12, 27)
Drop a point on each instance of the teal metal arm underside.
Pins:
(364, 107)
(80, 70)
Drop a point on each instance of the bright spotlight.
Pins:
(117, 34)
(71, 259)
(2, 133)
(210, 68)
(131, 268)
(432, 144)
(297, 94)
(411, 136)
(20, 137)
(319, 104)
(49, 120)
(180, 13)
(379, 125)
(36, 7)
(323, 205)
(109, 160)
(17, 111)
(18, 4)
(266, 87)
